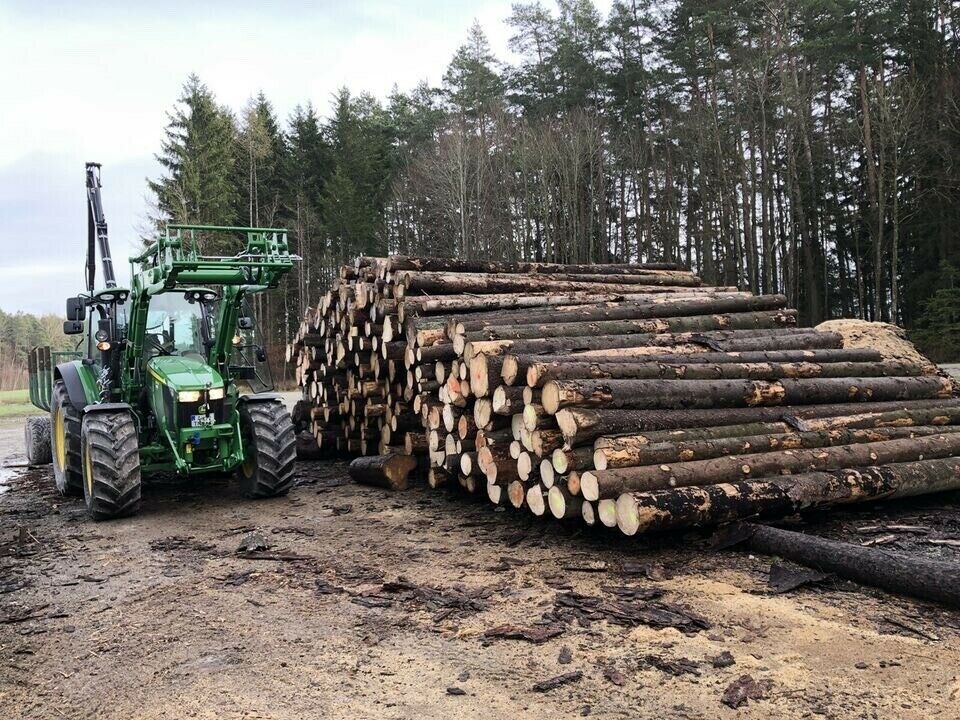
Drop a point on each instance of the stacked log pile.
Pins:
(631, 396)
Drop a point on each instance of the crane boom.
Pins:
(97, 231)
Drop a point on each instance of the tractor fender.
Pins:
(77, 390)
(260, 397)
(107, 407)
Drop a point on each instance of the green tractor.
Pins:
(157, 385)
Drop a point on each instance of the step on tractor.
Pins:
(169, 374)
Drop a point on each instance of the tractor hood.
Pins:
(183, 373)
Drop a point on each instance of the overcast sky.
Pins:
(94, 81)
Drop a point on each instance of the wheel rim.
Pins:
(59, 439)
(87, 469)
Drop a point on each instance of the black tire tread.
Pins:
(72, 484)
(36, 431)
(269, 427)
(112, 441)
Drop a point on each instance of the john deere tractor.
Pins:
(168, 374)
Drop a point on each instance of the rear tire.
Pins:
(111, 465)
(36, 435)
(270, 443)
(65, 442)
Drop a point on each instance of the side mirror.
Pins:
(245, 323)
(72, 327)
(76, 309)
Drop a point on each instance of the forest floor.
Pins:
(367, 604)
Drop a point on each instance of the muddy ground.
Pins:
(375, 605)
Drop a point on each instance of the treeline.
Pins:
(19, 332)
(793, 146)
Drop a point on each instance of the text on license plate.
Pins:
(201, 420)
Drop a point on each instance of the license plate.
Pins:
(201, 420)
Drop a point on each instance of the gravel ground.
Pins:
(375, 605)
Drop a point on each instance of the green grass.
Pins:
(15, 404)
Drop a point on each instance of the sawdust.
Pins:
(890, 340)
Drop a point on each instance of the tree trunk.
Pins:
(662, 394)
(386, 471)
(625, 451)
(777, 497)
(599, 484)
(538, 374)
(581, 425)
(897, 572)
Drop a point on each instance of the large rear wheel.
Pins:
(270, 444)
(111, 465)
(65, 442)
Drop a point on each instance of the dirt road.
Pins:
(372, 605)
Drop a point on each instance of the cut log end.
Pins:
(547, 473)
(628, 514)
(524, 466)
(589, 487)
(495, 493)
(607, 513)
(550, 398)
(535, 500)
(516, 492)
(589, 513)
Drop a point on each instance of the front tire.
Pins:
(270, 446)
(36, 436)
(111, 465)
(65, 442)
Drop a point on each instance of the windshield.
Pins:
(174, 326)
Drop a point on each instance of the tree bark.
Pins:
(458, 283)
(624, 451)
(768, 320)
(386, 471)
(599, 484)
(777, 497)
(582, 425)
(539, 373)
(897, 572)
(703, 394)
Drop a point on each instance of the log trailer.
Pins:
(155, 382)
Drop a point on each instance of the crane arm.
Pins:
(97, 231)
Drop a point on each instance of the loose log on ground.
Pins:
(387, 471)
(896, 572)
(777, 497)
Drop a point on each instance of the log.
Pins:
(563, 460)
(539, 373)
(684, 324)
(588, 511)
(777, 497)
(442, 264)
(724, 304)
(719, 340)
(582, 425)
(597, 484)
(626, 451)
(897, 572)
(704, 394)
(446, 283)
(562, 504)
(386, 471)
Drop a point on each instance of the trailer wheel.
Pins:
(270, 443)
(111, 465)
(36, 436)
(65, 442)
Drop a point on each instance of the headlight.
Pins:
(188, 396)
(216, 393)
(103, 346)
(101, 336)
